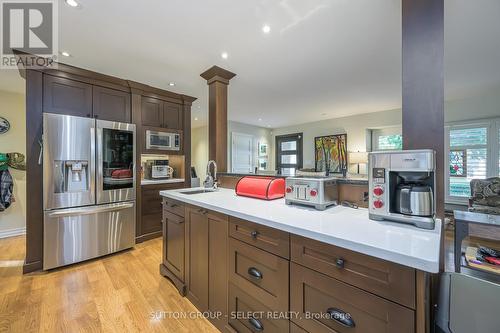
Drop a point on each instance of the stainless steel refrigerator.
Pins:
(89, 188)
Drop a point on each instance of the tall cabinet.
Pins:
(78, 92)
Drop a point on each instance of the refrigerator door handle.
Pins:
(91, 210)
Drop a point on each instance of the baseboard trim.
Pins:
(32, 267)
(149, 236)
(13, 232)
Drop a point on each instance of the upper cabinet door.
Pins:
(110, 104)
(172, 116)
(65, 96)
(152, 112)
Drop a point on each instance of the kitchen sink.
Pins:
(199, 191)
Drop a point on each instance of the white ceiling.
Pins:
(322, 59)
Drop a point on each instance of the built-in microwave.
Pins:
(162, 140)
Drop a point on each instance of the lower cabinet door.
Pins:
(325, 304)
(247, 314)
(197, 257)
(173, 234)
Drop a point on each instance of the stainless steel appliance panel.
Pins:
(77, 234)
(116, 151)
(68, 161)
(163, 140)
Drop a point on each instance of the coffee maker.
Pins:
(402, 185)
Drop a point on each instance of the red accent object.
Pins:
(492, 260)
(313, 193)
(289, 189)
(122, 173)
(267, 188)
(378, 191)
(378, 204)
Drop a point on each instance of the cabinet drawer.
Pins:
(249, 315)
(262, 274)
(174, 207)
(383, 278)
(336, 307)
(265, 238)
(296, 329)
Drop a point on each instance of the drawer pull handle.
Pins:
(340, 263)
(341, 317)
(174, 205)
(256, 324)
(254, 234)
(202, 211)
(255, 273)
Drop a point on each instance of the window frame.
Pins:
(386, 131)
(299, 151)
(492, 147)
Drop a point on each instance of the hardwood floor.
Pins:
(117, 293)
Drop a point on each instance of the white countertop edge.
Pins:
(420, 264)
(162, 181)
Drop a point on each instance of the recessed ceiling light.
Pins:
(260, 119)
(195, 118)
(323, 114)
(171, 84)
(72, 3)
(199, 107)
(224, 55)
(266, 29)
(268, 125)
(65, 53)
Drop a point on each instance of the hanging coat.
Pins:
(6, 189)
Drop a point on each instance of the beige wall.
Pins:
(12, 107)
(480, 106)
(354, 126)
(199, 150)
(199, 144)
(260, 135)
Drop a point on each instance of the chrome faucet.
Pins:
(211, 181)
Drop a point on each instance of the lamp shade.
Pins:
(358, 157)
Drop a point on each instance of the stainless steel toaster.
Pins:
(317, 191)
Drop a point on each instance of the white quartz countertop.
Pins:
(341, 226)
(161, 181)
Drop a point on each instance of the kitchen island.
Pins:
(232, 254)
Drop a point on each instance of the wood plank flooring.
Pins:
(117, 293)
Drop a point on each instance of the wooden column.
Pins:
(218, 80)
(423, 83)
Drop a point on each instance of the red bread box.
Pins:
(267, 188)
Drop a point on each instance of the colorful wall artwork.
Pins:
(331, 153)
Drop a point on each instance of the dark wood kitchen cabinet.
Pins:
(174, 242)
(74, 98)
(111, 104)
(158, 113)
(65, 96)
(206, 261)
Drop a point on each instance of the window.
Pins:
(288, 153)
(467, 158)
(387, 139)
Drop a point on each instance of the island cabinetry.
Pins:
(262, 237)
(173, 265)
(339, 307)
(260, 273)
(206, 262)
(252, 315)
(380, 277)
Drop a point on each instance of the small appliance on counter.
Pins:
(402, 185)
(266, 188)
(157, 170)
(317, 191)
